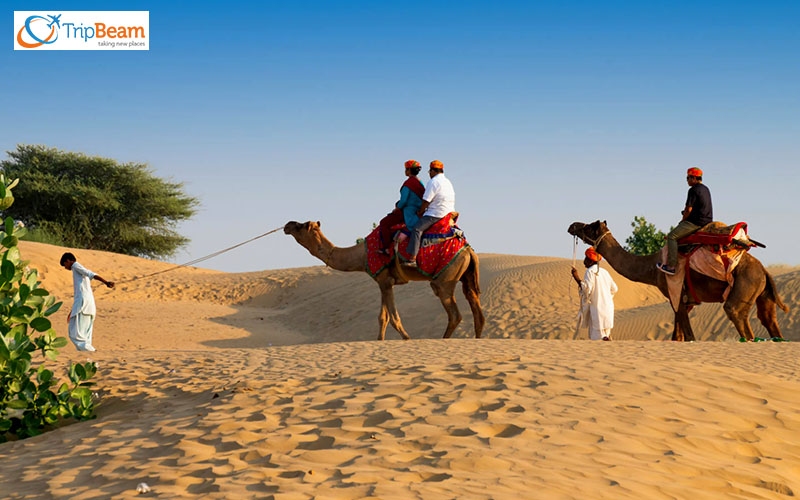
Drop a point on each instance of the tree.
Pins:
(645, 238)
(31, 399)
(97, 203)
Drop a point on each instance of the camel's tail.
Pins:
(471, 277)
(772, 290)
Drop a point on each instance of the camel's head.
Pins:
(589, 233)
(307, 234)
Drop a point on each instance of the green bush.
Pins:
(31, 399)
(97, 203)
(44, 235)
(645, 238)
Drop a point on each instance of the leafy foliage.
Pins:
(30, 398)
(97, 203)
(645, 238)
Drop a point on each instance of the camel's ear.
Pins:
(319, 224)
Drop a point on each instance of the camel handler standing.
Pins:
(438, 201)
(81, 316)
(698, 213)
(597, 297)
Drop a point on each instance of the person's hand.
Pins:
(69, 316)
(575, 274)
(110, 284)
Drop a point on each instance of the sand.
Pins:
(269, 385)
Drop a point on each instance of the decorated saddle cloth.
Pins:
(440, 245)
(720, 236)
(717, 264)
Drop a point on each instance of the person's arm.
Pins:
(690, 199)
(427, 198)
(614, 288)
(576, 277)
(109, 284)
(404, 197)
(424, 207)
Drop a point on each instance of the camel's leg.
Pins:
(682, 331)
(388, 309)
(475, 304)
(445, 293)
(741, 299)
(766, 309)
(387, 298)
(383, 316)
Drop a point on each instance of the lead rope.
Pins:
(574, 260)
(198, 260)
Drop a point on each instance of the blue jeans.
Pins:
(424, 223)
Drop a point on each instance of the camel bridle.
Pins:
(598, 240)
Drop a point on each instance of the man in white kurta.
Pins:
(81, 316)
(597, 297)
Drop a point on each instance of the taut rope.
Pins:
(201, 259)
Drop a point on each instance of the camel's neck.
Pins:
(342, 259)
(639, 268)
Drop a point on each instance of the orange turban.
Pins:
(437, 164)
(411, 164)
(694, 172)
(592, 254)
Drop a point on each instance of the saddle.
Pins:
(444, 227)
(720, 238)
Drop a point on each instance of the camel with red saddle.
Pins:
(462, 267)
(751, 283)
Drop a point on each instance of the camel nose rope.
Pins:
(198, 260)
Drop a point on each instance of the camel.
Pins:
(464, 268)
(752, 284)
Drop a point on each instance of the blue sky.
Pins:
(543, 113)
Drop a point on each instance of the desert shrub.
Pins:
(645, 239)
(31, 399)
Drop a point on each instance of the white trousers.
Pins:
(80, 331)
(599, 333)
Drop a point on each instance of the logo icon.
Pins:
(37, 32)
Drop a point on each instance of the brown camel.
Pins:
(464, 268)
(752, 284)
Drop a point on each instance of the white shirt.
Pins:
(441, 196)
(82, 288)
(597, 298)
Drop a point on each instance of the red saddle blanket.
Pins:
(440, 245)
(718, 234)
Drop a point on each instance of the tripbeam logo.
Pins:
(82, 30)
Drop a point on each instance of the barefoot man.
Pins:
(81, 317)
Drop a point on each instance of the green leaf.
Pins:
(9, 241)
(41, 324)
(52, 355)
(59, 342)
(80, 371)
(17, 404)
(52, 309)
(24, 292)
(7, 270)
(5, 425)
(39, 292)
(9, 223)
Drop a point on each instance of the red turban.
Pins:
(592, 254)
(437, 164)
(411, 164)
(694, 172)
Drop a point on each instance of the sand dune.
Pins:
(201, 393)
